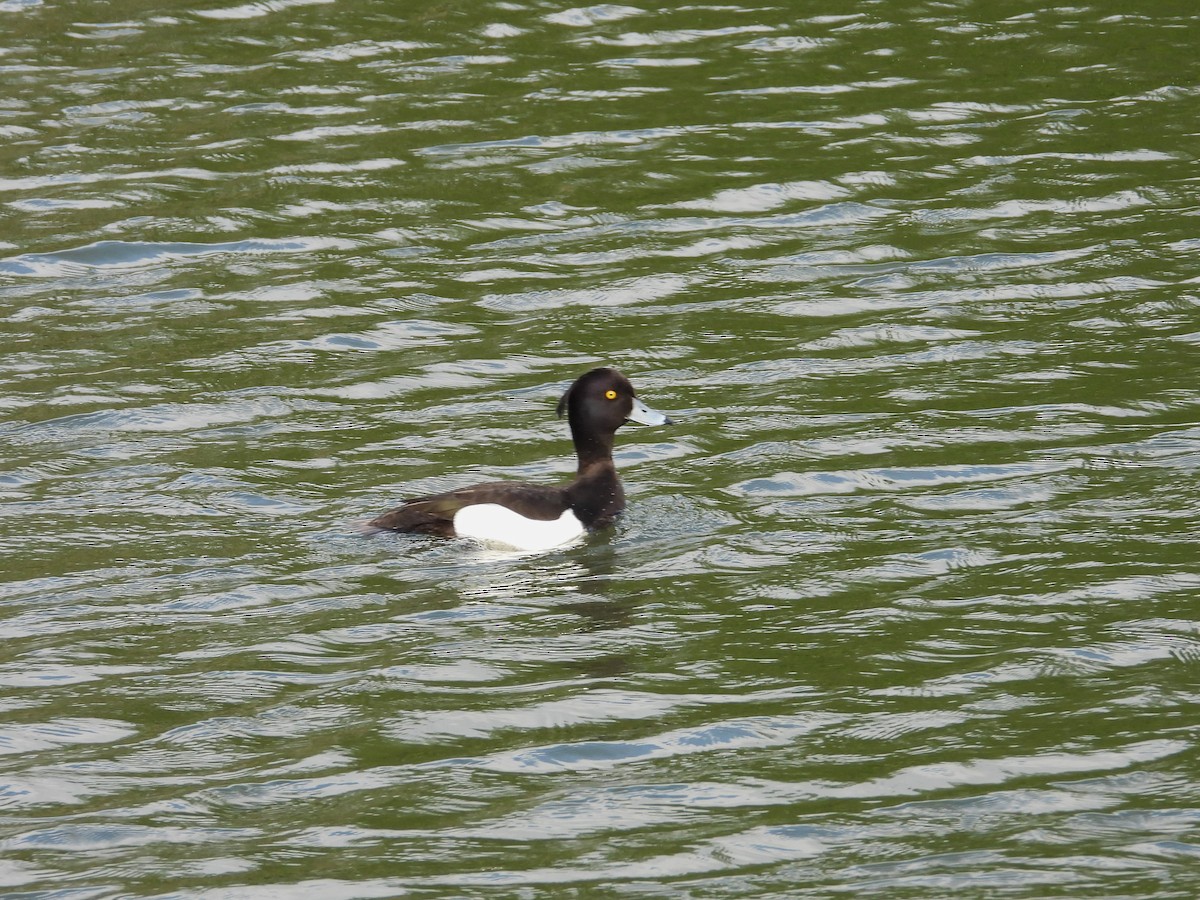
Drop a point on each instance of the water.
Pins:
(904, 606)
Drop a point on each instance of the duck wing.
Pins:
(435, 514)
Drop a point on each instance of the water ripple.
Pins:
(903, 605)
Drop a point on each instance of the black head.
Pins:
(600, 399)
(603, 400)
(596, 405)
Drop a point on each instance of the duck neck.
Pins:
(596, 495)
(591, 449)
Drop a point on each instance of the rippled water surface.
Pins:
(903, 606)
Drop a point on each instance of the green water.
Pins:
(903, 606)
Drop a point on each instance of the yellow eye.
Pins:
(610, 394)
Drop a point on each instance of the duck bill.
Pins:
(644, 415)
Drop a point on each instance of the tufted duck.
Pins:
(539, 517)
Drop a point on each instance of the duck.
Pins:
(536, 517)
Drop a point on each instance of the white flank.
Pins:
(496, 524)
